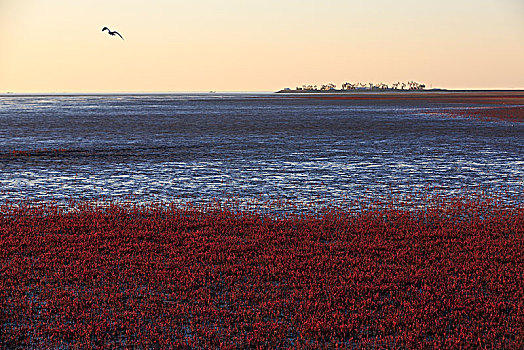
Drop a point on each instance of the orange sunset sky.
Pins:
(239, 45)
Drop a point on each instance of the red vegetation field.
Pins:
(512, 114)
(159, 276)
(502, 105)
(469, 97)
(36, 152)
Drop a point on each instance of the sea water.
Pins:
(202, 147)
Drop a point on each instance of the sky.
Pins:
(258, 45)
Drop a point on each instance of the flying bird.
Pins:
(114, 32)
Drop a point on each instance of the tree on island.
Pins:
(328, 87)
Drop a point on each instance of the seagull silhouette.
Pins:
(114, 32)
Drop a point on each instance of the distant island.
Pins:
(360, 87)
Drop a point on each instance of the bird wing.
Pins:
(105, 29)
(117, 33)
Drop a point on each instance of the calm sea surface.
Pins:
(196, 147)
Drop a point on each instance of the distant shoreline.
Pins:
(352, 91)
(377, 92)
(393, 91)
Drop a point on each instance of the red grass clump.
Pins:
(503, 105)
(476, 97)
(164, 276)
(512, 114)
(35, 152)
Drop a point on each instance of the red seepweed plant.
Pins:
(508, 113)
(161, 275)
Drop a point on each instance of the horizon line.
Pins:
(11, 93)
